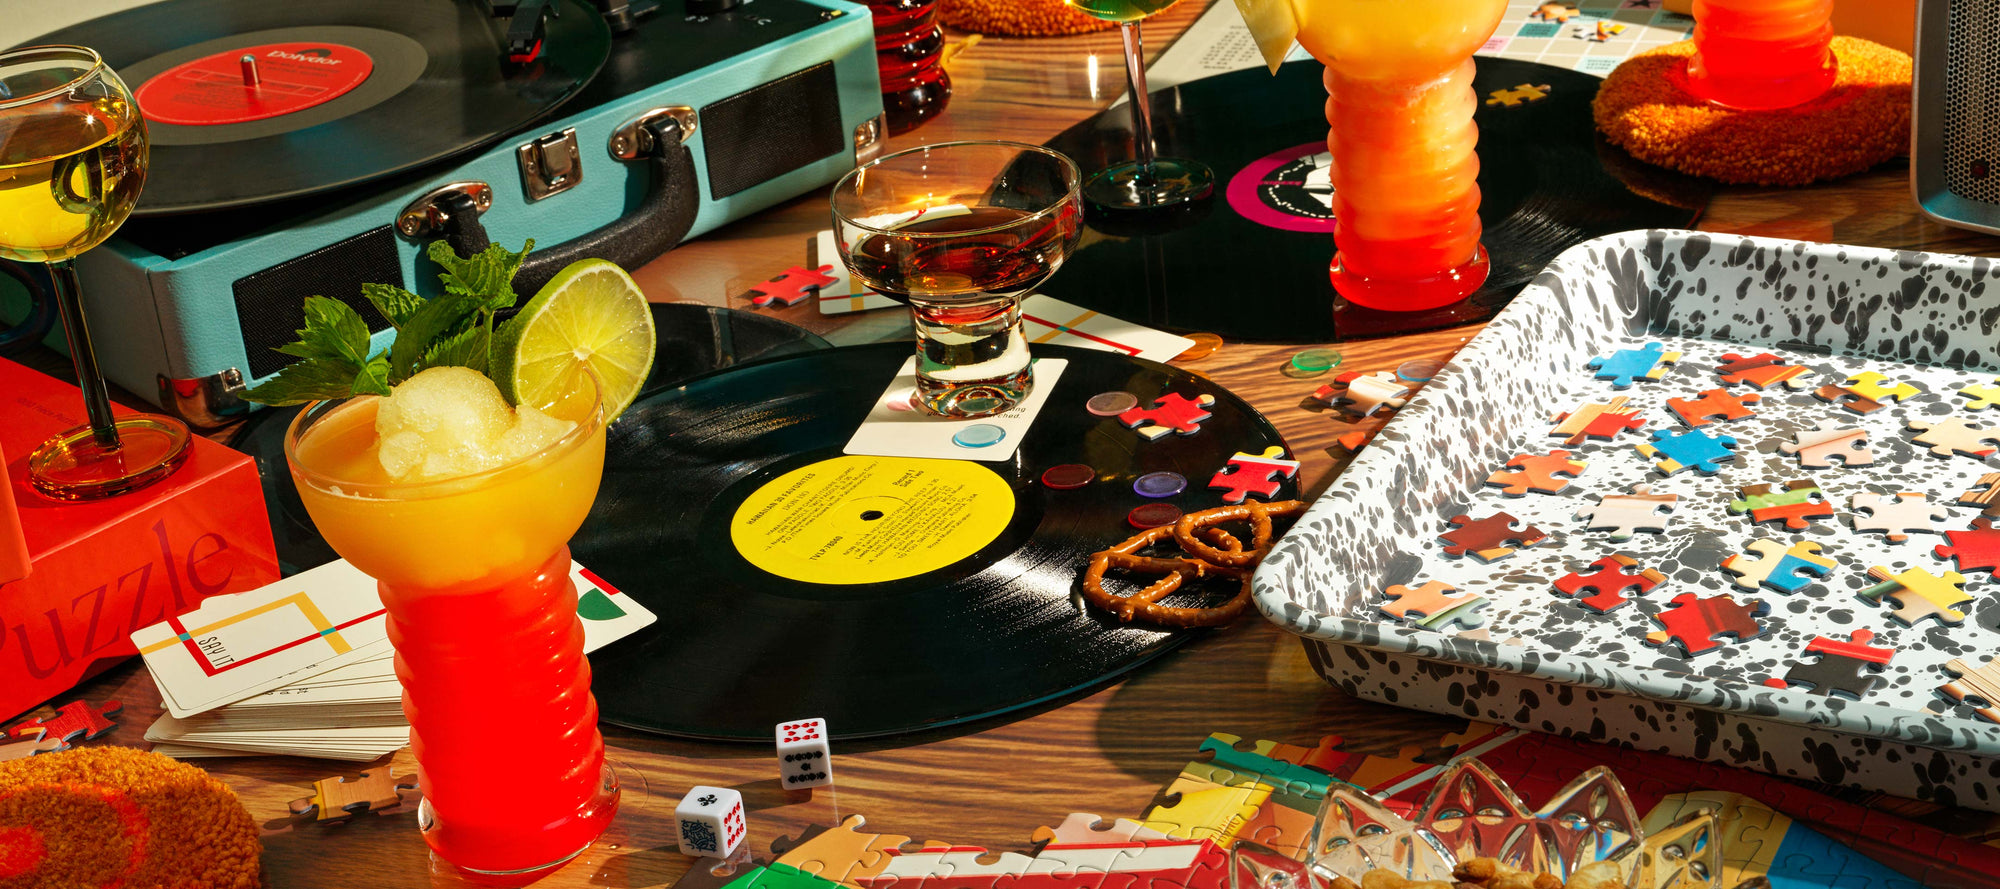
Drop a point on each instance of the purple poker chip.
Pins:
(1159, 484)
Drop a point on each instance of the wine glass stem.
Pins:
(1142, 108)
(96, 399)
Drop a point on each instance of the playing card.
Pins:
(893, 428)
(1046, 319)
(236, 646)
(608, 615)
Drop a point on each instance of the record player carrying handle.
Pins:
(656, 226)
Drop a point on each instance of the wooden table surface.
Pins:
(991, 783)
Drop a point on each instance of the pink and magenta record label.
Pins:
(1290, 189)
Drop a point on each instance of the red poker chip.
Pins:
(1153, 515)
(1068, 476)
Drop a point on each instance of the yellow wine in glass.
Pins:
(1147, 182)
(72, 162)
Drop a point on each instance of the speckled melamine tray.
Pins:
(1543, 662)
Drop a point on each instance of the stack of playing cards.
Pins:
(303, 667)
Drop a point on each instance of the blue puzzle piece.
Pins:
(1693, 449)
(1786, 577)
(1628, 365)
(1808, 859)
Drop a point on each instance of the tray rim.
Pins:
(1276, 601)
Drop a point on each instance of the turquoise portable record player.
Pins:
(612, 129)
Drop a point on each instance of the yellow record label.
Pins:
(853, 520)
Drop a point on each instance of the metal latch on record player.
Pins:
(550, 164)
(428, 215)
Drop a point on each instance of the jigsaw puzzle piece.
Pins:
(1786, 569)
(1083, 829)
(1983, 397)
(1801, 499)
(1818, 448)
(1897, 516)
(1366, 394)
(1978, 687)
(1953, 435)
(1428, 606)
(1626, 366)
(1694, 623)
(791, 286)
(34, 744)
(1984, 495)
(1296, 783)
(1602, 422)
(1172, 413)
(1248, 474)
(1194, 809)
(1609, 579)
(1849, 669)
(1672, 452)
(1974, 550)
(1489, 539)
(338, 797)
(1537, 472)
(1763, 371)
(1713, 405)
(1518, 95)
(72, 722)
(1625, 514)
(1919, 594)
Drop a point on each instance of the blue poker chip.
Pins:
(1159, 484)
(979, 435)
(1419, 370)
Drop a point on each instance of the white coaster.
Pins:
(1046, 319)
(895, 428)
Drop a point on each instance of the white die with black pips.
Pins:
(711, 821)
(803, 757)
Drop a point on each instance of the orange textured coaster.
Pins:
(102, 816)
(1644, 107)
(1019, 18)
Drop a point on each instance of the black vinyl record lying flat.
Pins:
(438, 84)
(1252, 262)
(738, 649)
(692, 340)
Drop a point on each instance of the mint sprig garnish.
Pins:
(453, 329)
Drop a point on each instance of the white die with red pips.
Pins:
(710, 820)
(803, 757)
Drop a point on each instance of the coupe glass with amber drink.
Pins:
(962, 231)
(72, 160)
(1405, 177)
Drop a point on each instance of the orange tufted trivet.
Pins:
(1019, 18)
(104, 816)
(1863, 120)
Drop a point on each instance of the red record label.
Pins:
(223, 88)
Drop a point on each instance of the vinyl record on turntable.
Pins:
(1252, 263)
(250, 101)
(887, 595)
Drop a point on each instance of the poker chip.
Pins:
(1419, 370)
(1111, 404)
(1153, 515)
(1068, 476)
(1159, 484)
(979, 435)
(1205, 345)
(1315, 361)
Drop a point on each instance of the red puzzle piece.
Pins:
(1249, 474)
(1536, 472)
(1172, 412)
(76, 720)
(1763, 371)
(791, 286)
(1694, 622)
(1491, 538)
(1974, 550)
(1610, 578)
(1713, 405)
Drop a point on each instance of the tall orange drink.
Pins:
(1761, 54)
(474, 571)
(1405, 178)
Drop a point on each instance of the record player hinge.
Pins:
(425, 216)
(631, 141)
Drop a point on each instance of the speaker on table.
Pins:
(1955, 155)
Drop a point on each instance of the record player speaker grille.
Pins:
(270, 304)
(763, 133)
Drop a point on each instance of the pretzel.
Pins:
(1258, 513)
(1218, 554)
